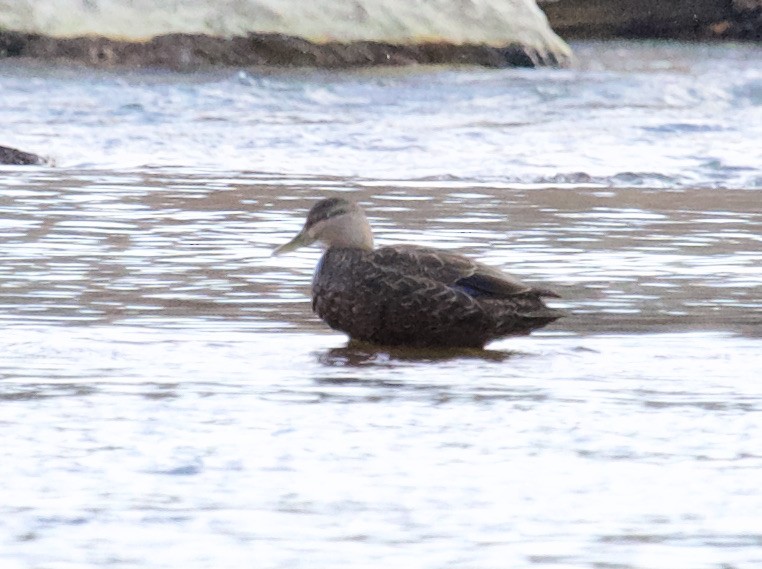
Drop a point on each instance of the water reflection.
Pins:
(83, 248)
(357, 354)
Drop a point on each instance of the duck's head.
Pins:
(334, 222)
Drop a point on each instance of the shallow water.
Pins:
(169, 400)
(656, 115)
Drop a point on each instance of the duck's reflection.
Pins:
(359, 354)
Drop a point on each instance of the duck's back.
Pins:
(423, 297)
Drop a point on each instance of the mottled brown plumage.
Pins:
(411, 296)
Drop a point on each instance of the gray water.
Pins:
(168, 400)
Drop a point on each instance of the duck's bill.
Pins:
(301, 240)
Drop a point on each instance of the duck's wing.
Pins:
(457, 271)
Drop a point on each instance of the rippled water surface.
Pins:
(169, 400)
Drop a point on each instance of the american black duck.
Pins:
(405, 295)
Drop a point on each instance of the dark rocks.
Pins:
(192, 51)
(673, 19)
(19, 158)
(745, 22)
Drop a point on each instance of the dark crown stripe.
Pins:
(327, 209)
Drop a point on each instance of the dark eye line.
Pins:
(335, 212)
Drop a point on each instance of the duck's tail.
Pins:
(524, 320)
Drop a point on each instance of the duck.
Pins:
(409, 295)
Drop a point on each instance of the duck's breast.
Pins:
(346, 292)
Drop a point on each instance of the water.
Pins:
(169, 400)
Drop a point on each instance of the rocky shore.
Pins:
(379, 32)
(664, 19)
(320, 33)
(191, 51)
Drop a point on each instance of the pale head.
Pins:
(334, 222)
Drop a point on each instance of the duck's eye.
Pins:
(335, 212)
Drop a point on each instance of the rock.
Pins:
(188, 52)
(676, 19)
(18, 157)
(745, 22)
(322, 33)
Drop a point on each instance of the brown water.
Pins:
(151, 248)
